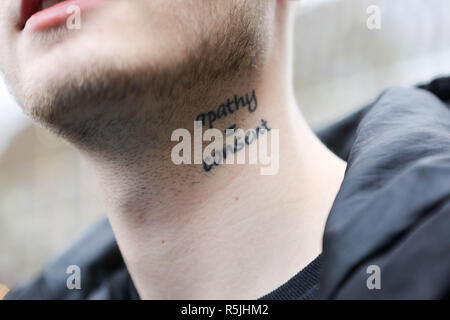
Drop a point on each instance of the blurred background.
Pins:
(47, 196)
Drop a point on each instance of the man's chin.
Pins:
(76, 105)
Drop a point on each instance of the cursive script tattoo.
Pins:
(240, 141)
(248, 101)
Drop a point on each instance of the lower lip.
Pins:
(58, 14)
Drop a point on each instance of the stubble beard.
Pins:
(116, 108)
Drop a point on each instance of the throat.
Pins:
(255, 231)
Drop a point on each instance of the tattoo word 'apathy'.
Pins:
(247, 101)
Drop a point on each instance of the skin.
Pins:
(137, 70)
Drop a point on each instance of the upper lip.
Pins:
(30, 7)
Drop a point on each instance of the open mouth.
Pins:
(27, 9)
(31, 7)
(39, 15)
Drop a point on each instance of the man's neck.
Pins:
(230, 232)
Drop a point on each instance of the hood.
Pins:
(392, 212)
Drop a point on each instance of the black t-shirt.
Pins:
(303, 286)
(392, 212)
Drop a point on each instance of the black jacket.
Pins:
(392, 211)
